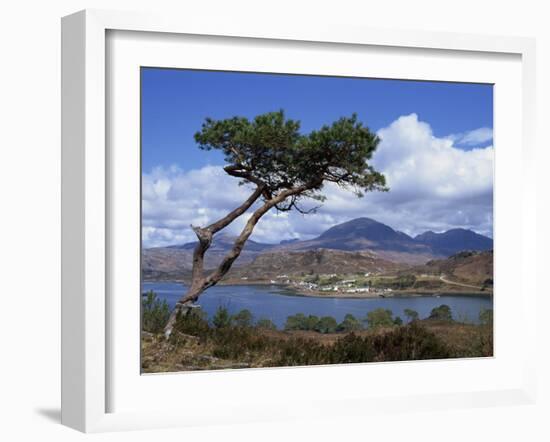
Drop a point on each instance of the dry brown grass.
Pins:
(253, 348)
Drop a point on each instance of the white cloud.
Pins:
(172, 200)
(417, 164)
(433, 186)
(474, 137)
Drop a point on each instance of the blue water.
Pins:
(273, 302)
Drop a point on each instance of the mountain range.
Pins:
(455, 240)
(366, 239)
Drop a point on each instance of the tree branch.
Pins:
(238, 246)
(231, 216)
(241, 171)
(206, 234)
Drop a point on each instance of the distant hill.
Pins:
(224, 242)
(368, 234)
(358, 235)
(323, 261)
(467, 267)
(454, 240)
(288, 241)
(176, 262)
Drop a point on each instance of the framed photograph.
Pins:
(264, 222)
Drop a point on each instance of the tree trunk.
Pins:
(181, 308)
(199, 282)
(205, 236)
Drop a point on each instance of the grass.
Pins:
(197, 345)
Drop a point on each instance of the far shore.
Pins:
(394, 294)
(292, 290)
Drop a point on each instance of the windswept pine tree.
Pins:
(284, 167)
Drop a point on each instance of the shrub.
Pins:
(155, 313)
(349, 324)
(398, 321)
(295, 322)
(310, 323)
(409, 343)
(243, 319)
(246, 344)
(405, 281)
(351, 348)
(221, 318)
(301, 322)
(195, 323)
(379, 318)
(327, 324)
(486, 316)
(441, 313)
(238, 342)
(412, 315)
(479, 344)
(403, 343)
(298, 351)
(482, 346)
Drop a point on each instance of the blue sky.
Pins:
(175, 103)
(442, 131)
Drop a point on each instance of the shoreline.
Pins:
(415, 294)
(291, 290)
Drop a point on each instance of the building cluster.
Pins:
(343, 286)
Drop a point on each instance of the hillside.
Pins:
(175, 262)
(165, 263)
(469, 267)
(272, 264)
(356, 240)
(366, 234)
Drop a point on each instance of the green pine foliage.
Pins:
(222, 318)
(154, 312)
(271, 149)
(441, 313)
(379, 318)
(243, 318)
(349, 324)
(412, 315)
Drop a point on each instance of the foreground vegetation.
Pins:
(237, 341)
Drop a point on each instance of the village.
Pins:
(333, 284)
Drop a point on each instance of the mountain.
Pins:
(358, 235)
(361, 232)
(454, 240)
(288, 241)
(224, 242)
(367, 234)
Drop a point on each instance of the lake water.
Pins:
(274, 302)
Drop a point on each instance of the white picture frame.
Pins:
(87, 205)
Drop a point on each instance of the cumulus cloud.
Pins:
(173, 200)
(433, 186)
